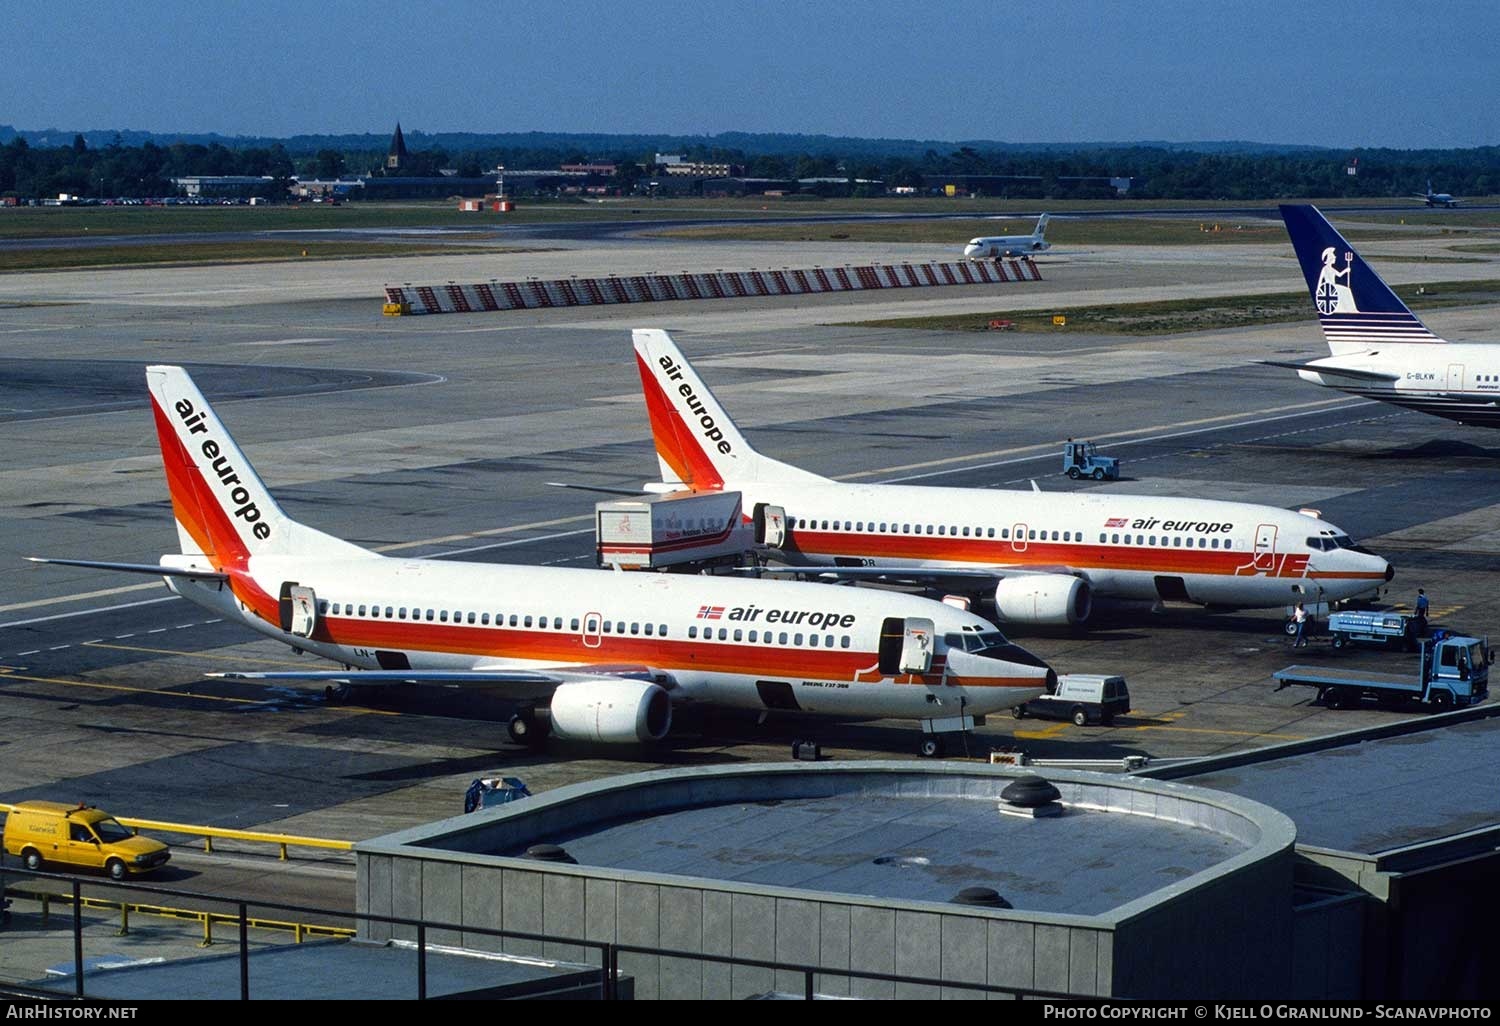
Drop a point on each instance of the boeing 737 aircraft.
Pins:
(606, 654)
(996, 246)
(1437, 199)
(1041, 558)
(1380, 349)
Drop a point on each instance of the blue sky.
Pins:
(1376, 73)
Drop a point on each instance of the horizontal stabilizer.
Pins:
(1346, 372)
(633, 492)
(154, 569)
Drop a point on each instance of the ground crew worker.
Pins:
(1421, 613)
(1299, 617)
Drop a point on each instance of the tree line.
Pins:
(1157, 172)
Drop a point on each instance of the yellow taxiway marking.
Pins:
(285, 663)
(7, 673)
(1164, 721)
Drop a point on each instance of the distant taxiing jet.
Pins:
(1380, 350)
(996, 246)
(1437, 199)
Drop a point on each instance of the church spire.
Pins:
(397, 155)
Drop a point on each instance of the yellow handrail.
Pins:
(283, 841)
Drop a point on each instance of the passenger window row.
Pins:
(1004, 533)
(555, 623)
(759, 637)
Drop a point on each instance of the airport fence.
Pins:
(535, 294)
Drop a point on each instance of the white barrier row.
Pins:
(655, 288)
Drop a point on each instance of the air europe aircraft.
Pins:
(1380, 350)
(992, 247)
(606, 654)
(1040, 557)
(1437, 199)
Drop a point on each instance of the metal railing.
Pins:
(208, 833)
(604, 954)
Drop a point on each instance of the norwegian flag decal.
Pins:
(710, 612)
(1116, 521)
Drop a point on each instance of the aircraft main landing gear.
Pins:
(525, 729)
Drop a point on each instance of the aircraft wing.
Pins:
(541, 680)
(1348, 372)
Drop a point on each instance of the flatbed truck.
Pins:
(1453, 672)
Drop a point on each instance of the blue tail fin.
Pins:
(1356, 309)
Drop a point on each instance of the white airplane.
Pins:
(1040, 557)
(606, 654)
(1380, 350)
(995, 246)
(1437, 199)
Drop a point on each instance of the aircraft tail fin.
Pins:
(223, 510)
(1041, 225)
(697, 443)
(1357, 310)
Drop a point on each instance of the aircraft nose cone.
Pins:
(1390, 573)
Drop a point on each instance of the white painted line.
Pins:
(1135, 441)
(91, 612)
(507, 544)
(80, 596)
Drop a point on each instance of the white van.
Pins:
(1081, 697)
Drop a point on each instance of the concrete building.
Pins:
(1134, 888)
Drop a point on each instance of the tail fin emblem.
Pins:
(1329, 295)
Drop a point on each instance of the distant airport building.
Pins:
(224, 185)
(981, 185)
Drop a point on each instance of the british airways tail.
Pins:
(1358, 311)
(697, 444)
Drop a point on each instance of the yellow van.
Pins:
(44, 833)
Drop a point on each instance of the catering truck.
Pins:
(1454, 671)
(654, 532)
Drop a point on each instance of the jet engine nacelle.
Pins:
(1044, 599)
(615, 711)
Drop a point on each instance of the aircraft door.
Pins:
(592, 626)
(906, 645)
(1018, 537)
(770, 525)
(299, 609)
(1265, 548)
(1455, 377)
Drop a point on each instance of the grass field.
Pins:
(1187, 315)
(190, 253)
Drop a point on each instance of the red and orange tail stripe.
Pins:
(675, 442)
(193, 504)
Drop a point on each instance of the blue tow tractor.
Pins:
(1082, 459)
